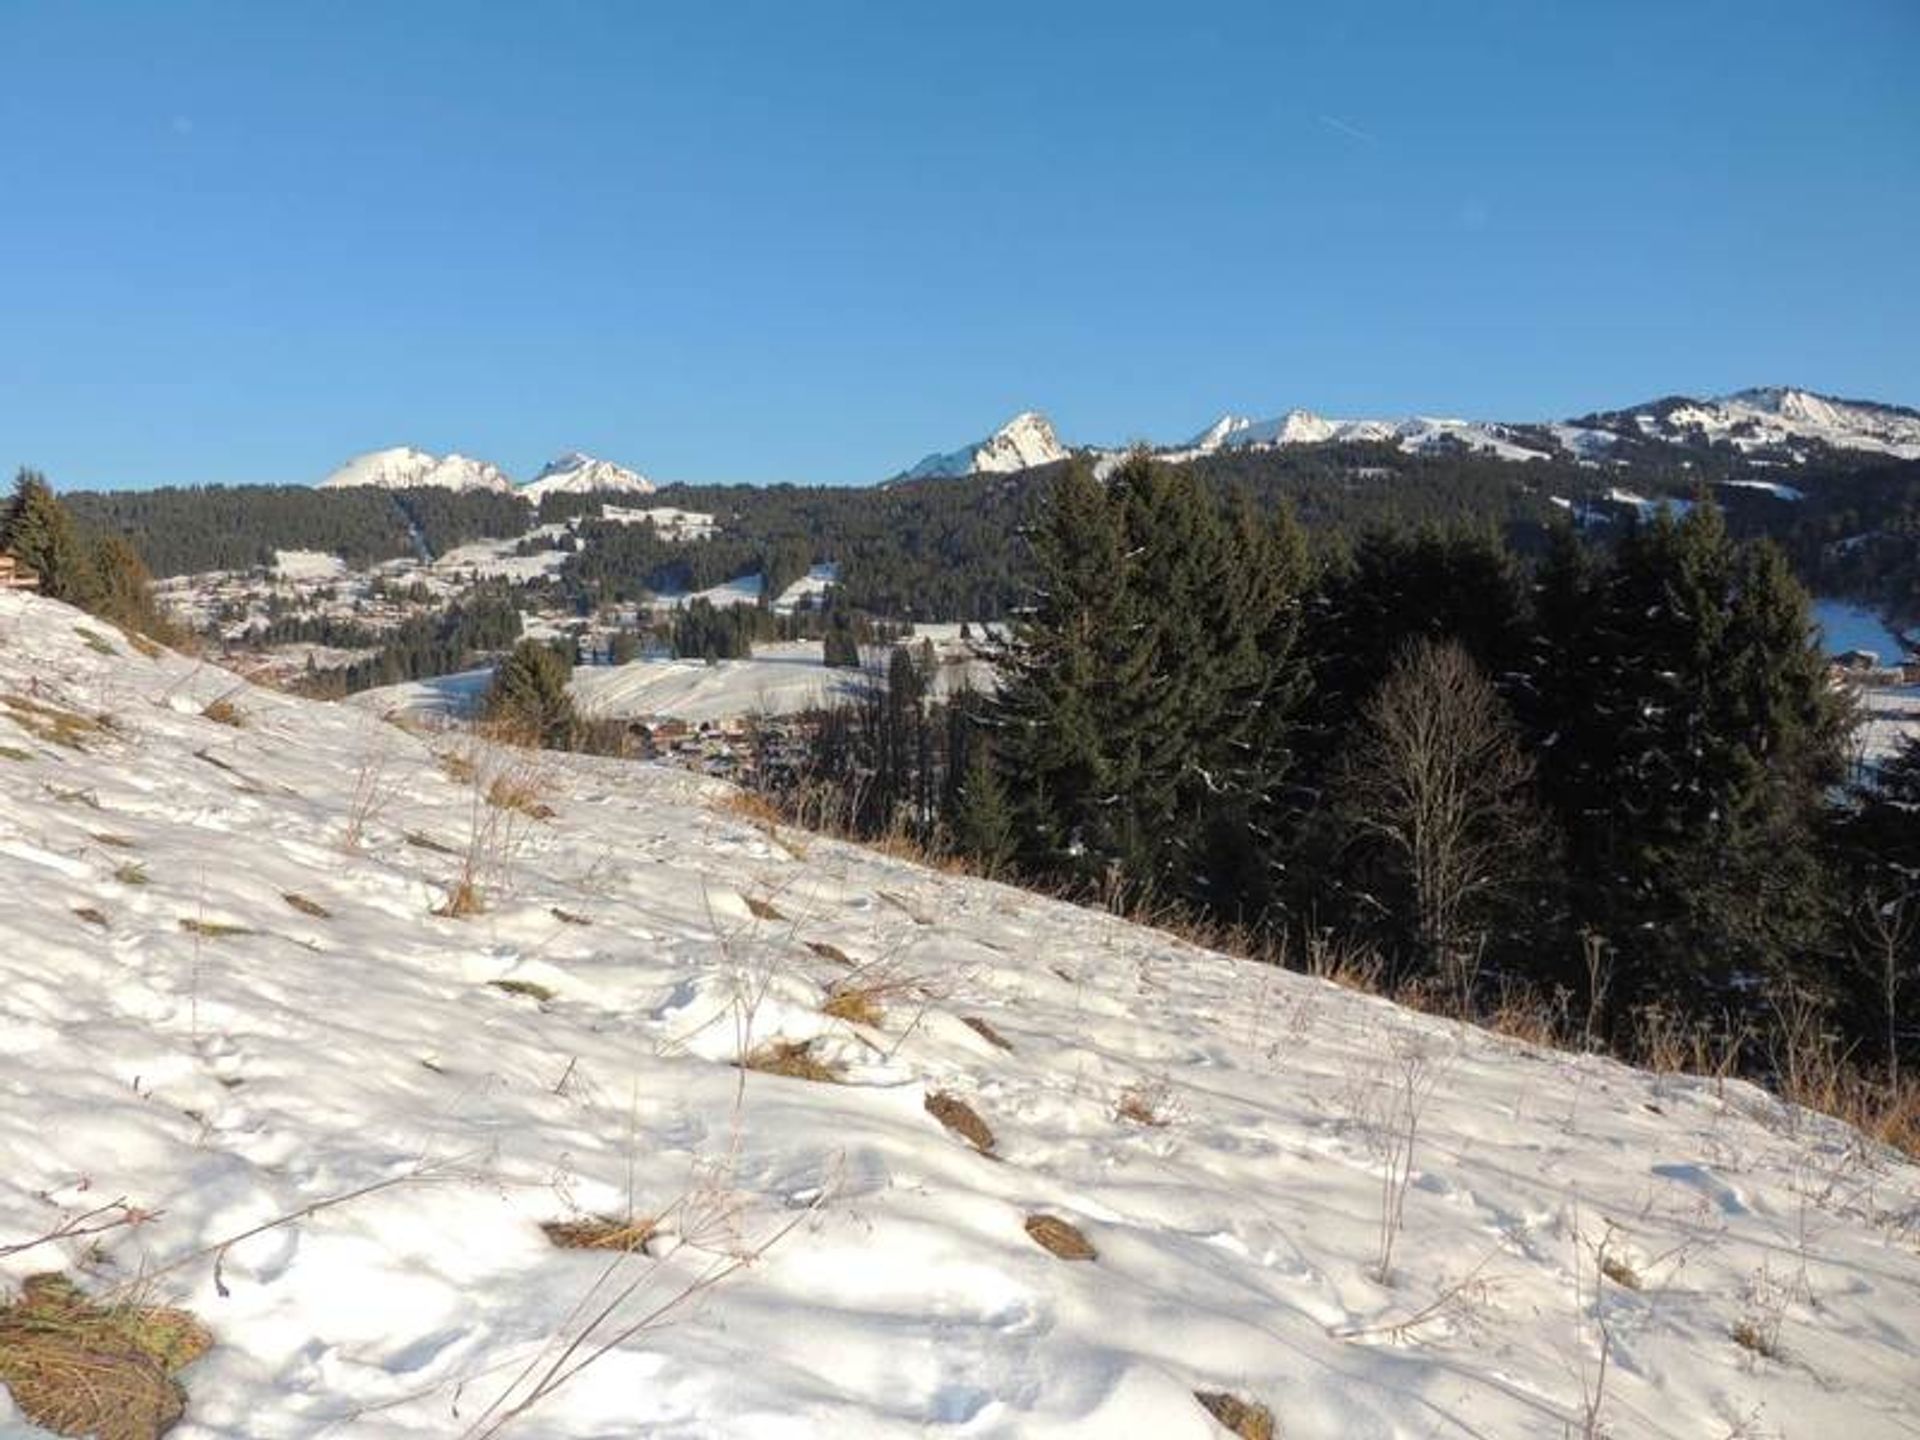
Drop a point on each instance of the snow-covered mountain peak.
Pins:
(575, 473)
(1775, 419)
(405, 468)
(1219, 433)
(1027, 440)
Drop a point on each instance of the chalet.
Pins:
(16, 576)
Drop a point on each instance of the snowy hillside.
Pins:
(1023, 442)
(1773, 419)
(405, 468)
(577, 474)
(355, 1128)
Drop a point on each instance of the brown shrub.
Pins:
(602, 1232)
(1242, 1417)
(793, 1059)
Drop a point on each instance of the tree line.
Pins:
(1613, 774)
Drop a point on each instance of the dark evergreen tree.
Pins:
(528, 697)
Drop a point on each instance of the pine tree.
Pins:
(983, 818)
(38, 531)
(528, 697)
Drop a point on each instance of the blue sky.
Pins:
(811, 242)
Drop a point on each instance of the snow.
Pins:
(1769, 487)
(404, 468)
(1774, 417)
(577, 474)
(812, 586)
(307, 565)
(222, 1080)
(672, 523)
(1023, 442)
(1846, 626)
(1890, 721)
(741, 590)
(433, 701)
(496, 559)
(783, 678)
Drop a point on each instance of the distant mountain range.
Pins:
(405, 468)
(1772, 423)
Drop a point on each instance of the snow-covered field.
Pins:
(780, 679)
(226, 997)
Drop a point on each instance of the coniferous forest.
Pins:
(1607, 783)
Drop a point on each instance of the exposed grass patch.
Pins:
(601, 1232)
(131, 873)
(82, 1369)
(856, 1004)
(567, 917)
(831, 952)
(1620, 1272)
(52, 723)
(511, 791)
(423, 841)
(961, 1118)
(457, 767)
(1057, 1237)
(1143, 1105)
(1241, 1417)
(1754, 1336)
(307, 907)
(91, 915)
(96, 642)
(213, 929)
(986, 1032)
(532, 989)
(224, 712)
(906, 907)
(118, 842)
(792, 1058)
(462, 900)
(152, 649)
(14, 752)
(762, 909)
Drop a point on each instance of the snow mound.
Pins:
(226, 996)
(405, 468)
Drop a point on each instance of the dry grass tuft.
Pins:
(91, 915)
(532, 989)
(52, 723)
(1619, 1271)
(152, 649)
(986, 1032)
(117, 842)
(131, 873)
(457, 766)
(462, 900)
(1143, 1105)
(961, 1118)
(96, 642)
(1241, 1417)
(520, 791)
(761, 909)
(14, 752)
(224, 712)
(567, 917)
(856, 1004)
(1751, 1335)
(1057, 1237)
(831, 952)
(82, 1369)
(307, 907)
(420, 840)
(601, 1232)
(792, 1058)
(212, 929)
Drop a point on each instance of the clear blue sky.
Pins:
(765, 241)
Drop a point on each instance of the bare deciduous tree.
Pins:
(1438, 777)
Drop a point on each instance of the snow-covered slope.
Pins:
(1772, 419)
(1023, 442)
(226, 997)
(577, 474)
(405, 468)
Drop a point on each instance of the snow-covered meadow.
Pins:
(226, 998)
